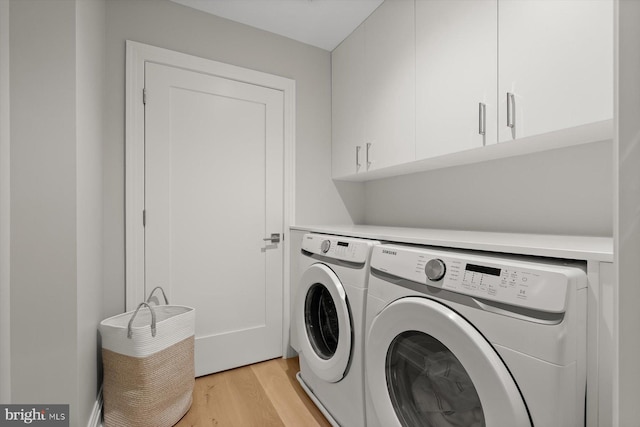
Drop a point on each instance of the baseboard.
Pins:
(96, 415)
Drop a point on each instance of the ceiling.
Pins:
(320, 23)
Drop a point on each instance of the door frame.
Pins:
(137, 54)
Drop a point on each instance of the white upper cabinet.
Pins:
(373, 92)
(390, 91)
(423, 83)
(456, 68)
(348, 112)
(556, 64)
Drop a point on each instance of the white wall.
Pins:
(564, 191)
(627, 217)
(90, 61)
(56, 88)
(5, 289)
(172, 26)
(43, 202)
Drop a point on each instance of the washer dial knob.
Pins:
(435, 269)
(325, 245)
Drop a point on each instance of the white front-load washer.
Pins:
(329, 316)
(459, 338)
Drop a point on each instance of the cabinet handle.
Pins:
(482, 118)
(511, 110)
(368, 152)
(358, 164)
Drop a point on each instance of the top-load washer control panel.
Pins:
(515, 282)
(341, 248)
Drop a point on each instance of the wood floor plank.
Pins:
(289, 399)
(205, 409)
(266, 394)
(252, 405)
(231, 398)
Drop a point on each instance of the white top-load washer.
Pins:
(329, 316)
(468, 339)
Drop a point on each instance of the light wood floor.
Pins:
(265, 394)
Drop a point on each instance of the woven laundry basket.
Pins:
(148, 366)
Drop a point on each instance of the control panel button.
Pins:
(325, 245)
(435, 269)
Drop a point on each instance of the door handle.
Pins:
(275, 238)
(358, 164)
(368, 153)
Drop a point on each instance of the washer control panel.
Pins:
(527, 284)
(336, 247)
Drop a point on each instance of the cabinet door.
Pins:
(456, 68)
(556, 58)
(347, 89)
(390, 84)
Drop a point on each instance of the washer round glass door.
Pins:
(428, 367)
(324, 323)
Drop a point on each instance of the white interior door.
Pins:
(213, 191)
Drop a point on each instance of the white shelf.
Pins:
(585, 134)
(585, 248)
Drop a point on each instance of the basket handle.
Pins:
(153, 320)
(166, 301)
